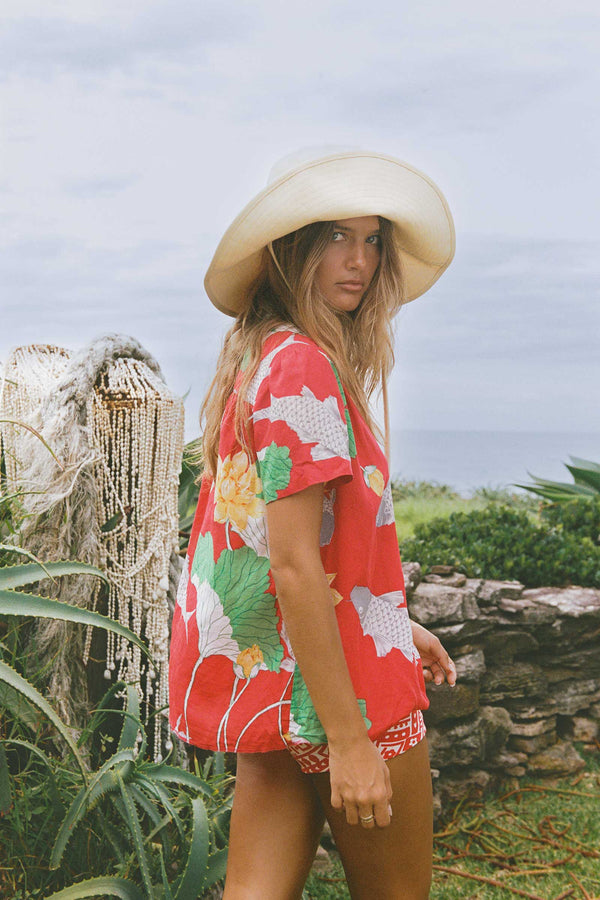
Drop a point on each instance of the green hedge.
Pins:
(580, 516)
(502, 543)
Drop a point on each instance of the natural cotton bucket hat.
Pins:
(332, 186)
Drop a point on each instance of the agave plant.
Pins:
(152, 800)
(147, 796)
(586, 475)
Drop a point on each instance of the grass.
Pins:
(417, 502)
(539, 840)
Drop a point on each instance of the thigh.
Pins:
(391, 862)
(276, 822)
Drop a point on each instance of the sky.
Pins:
(132, 134)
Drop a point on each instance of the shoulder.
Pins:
(291, 361)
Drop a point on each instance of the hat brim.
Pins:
(343, 186)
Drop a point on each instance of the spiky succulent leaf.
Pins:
(102, 782)
(99, 887)
(9, 676)
(194, 874)
(28, 573)
(13, 603)
(135, 830)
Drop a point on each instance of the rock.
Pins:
(496, 727)
(438, 603)
(569, 698)
(560, 759)
(456, 580)
(452, 636)
(472, 784)
(412, 576)
(568, 632)
(470, 666)
(457, 744)
(523, 610)
(447, 702)
(475, 584)
(531, 745)
(322, 860)
(571, 601)
(594, 710)
(442, 570)
(508, 759)
(584, 729)
(519, 679)
(437, 807)
(473, 740)
(491, 591)
(533, 727)
(578, 661)
(509, 643)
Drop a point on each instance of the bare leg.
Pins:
(276, 822)
(393, 862)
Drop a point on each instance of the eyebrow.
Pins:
(345, 228)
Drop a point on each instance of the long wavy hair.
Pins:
(359, 343)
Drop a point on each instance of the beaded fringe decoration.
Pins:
(43, 364)
(122, 481)
(138, 428)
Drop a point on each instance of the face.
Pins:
(350, 261)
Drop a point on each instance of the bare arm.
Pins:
(359, 777)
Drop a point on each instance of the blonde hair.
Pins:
(359, 343)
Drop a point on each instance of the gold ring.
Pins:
(366, 818)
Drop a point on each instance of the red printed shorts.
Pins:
(314, 758)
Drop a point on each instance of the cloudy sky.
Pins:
(132, 134)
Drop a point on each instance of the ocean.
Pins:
(470, 459)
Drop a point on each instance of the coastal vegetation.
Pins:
(90, 813)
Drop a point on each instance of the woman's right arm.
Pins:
(359, 777)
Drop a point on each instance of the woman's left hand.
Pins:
(437, 665)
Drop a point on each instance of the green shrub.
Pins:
(580, 517)
(424, 490)
(503, 543)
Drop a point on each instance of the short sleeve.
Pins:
(300, 423)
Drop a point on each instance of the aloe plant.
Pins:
(167, 815)
(141, 793)
(586, 482)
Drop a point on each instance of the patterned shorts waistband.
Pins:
(405, 734)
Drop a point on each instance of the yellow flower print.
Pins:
(248, 662)
(335, 595)
(374, 479)
(236, 490)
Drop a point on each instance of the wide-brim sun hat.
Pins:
(328, 187)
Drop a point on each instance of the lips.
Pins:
(351, 285)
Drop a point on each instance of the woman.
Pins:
(291, 640)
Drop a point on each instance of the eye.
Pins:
(374, 239)
(337, 235)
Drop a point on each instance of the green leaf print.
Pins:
(274, 466)
(305, 715)
(203, 563)
(241, 579)
(362, 705)
(351, 440)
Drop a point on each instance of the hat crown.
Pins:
(304, 157)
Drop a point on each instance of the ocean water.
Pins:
(470, 459)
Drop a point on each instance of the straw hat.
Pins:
(330, 186)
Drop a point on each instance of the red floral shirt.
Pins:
(234, 682)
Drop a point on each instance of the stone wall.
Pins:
(528, 687)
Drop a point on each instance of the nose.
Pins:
(356, 255)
